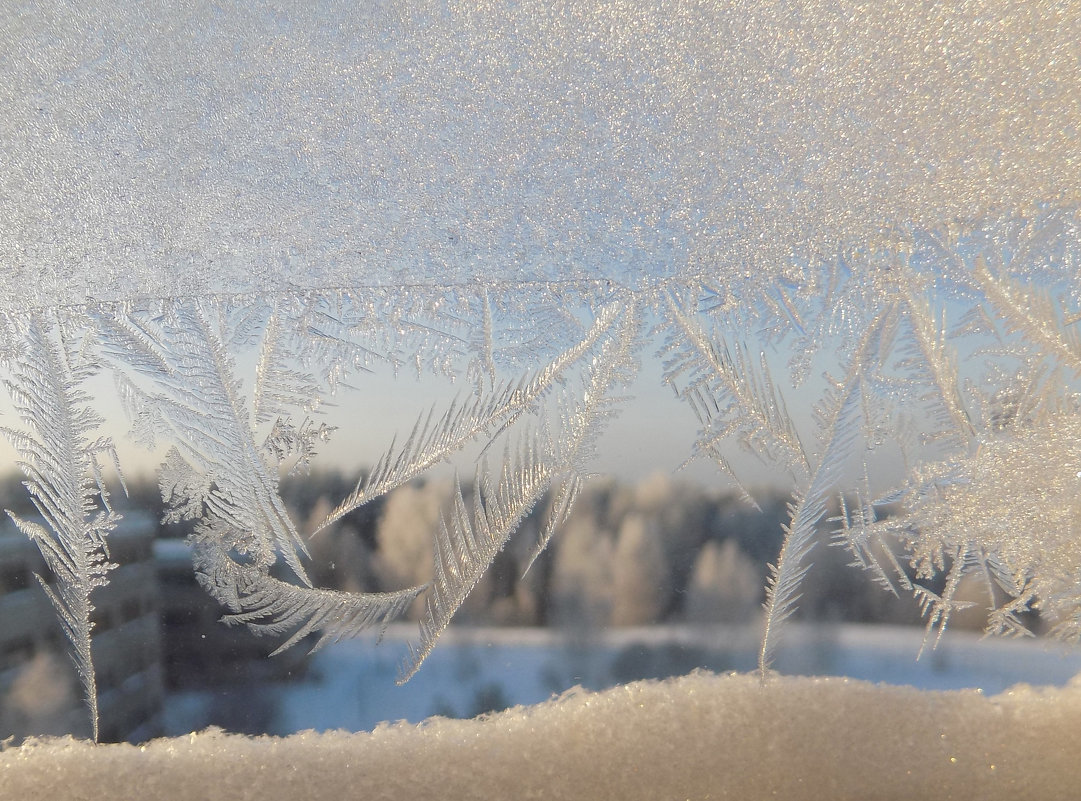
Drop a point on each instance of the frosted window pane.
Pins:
(844, 240)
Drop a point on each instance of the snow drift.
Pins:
(699, 736)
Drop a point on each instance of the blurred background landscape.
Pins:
(647, 579)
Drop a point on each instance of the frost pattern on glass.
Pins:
(532, 198)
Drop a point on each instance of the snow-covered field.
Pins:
(351, 685)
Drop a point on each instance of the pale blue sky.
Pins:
(654, 431)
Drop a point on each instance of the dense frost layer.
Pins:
(165, 150)
(698, 737)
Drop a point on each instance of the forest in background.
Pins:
(655, 552)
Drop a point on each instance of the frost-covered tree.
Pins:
(724, 586)
(404, 534)
(641, 580)
(580, 595)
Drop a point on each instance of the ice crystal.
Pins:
(234, 208)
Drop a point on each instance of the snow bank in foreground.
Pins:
(698, 736)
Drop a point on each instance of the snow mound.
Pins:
(699, 736)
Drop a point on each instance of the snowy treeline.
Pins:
(629, 554)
